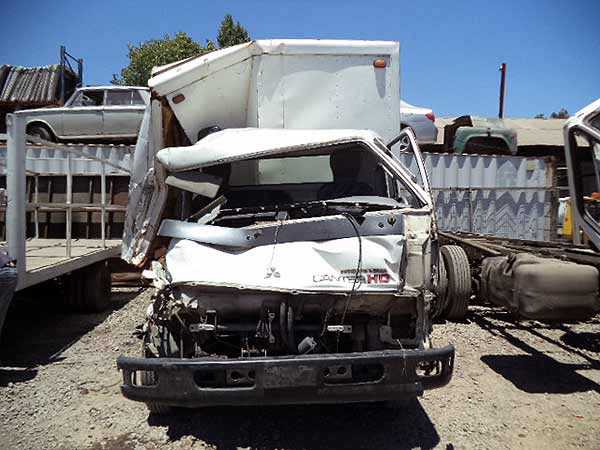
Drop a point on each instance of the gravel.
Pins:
(516, 385)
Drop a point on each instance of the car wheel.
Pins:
(42, 132)
(459, 281)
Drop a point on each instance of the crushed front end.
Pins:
(265, 301)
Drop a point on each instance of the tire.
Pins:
(42, 132)
(96, 288)
(149, 379)
(459, 281)
(442, 291)
(87, 290)
(74, 291)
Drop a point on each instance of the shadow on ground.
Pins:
(37, 329)
(366, 425)
(583, 341)
(536, 371)
(537, 374)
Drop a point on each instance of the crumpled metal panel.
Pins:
(325, 266)
(46, 160)
(507, 196)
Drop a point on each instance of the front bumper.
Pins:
(319, 378)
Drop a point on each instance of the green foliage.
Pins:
(231, 33)
(158, 52)
(562, 114)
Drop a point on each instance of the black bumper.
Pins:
(319, 378)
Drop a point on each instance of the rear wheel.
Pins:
(97, 286)
(459, 281)
(41, 131)
(88, 289)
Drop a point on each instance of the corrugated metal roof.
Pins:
(529, 131)
(31, 84)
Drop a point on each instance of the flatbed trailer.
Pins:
(479, 246)
(46, 259)
(80, 263)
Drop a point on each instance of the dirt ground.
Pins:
(516, 385)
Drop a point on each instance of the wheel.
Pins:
(96, 288)
(459, 281)
(148, 378)
(73, 291)
(88, 290)
(442, 291)
(41, 131)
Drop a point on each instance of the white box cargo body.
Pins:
(287, 84)
(298, 84)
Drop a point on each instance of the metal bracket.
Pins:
(346, 329)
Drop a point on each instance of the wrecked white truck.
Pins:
(291, 265)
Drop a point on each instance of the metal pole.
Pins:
(62, 74)
(103, 203)
(36, 199)
(15, 211)
(69, 220)
(502, 89)
(80, 72)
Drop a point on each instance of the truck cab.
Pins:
(291, 264)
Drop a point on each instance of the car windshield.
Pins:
(348, 172)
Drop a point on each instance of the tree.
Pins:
(562, 114)
(157, 52)
(231, 34)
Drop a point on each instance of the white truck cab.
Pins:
(296, 259)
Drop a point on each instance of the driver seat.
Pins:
(345, 166)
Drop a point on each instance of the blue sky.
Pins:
(450, 50)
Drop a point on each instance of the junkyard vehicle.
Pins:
(471, 134)
(291, 265)
(309, 277)
(420, 120)
(93, 113)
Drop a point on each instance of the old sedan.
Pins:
(99, 113)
